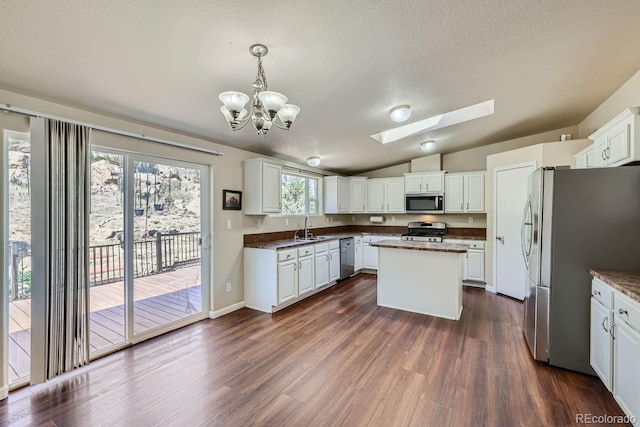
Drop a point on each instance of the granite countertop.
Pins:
(627, 283)
(290, 243)
(422, 246)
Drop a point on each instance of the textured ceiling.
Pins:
(547, 64)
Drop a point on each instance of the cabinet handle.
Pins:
(382, 207)
(596, 293)
(467, 205)
(604, 155)
(461, 206)
(604, 320)
(295, 267)
(613, 335)
(420, 187)
(387, 207)
(427, 185)
(622, 311)
(608, 150)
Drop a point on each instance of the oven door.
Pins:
(424, 203)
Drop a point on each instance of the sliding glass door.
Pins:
(17, 216)
(148, 223)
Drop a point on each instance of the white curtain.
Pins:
(66, 284)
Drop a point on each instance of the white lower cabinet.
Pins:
(601, 341)
(473, 263)
(615, 345)
(274, 279)
(370, 256)
(306, 279)
(322, 268)
(359, 254)
(287, 280)
(334, 264)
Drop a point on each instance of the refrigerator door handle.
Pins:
(525, 223)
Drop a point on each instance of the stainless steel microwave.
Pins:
(430, 203)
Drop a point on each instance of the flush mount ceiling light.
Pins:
(427, 145)
(400, 113)
(313, 161)
(266, 105)
(436, 122)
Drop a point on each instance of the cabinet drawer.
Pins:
(475, 244)
(287, 255)
(305, 250)
(627, 310)
(602, 293)
(334, 244)
(358, 239)
(321, 247)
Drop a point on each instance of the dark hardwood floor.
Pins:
(334, 359)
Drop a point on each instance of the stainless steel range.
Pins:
(425, 231)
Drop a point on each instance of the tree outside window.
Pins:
(299, 195)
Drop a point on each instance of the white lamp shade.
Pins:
(234, 101)
(313, 161)
(272, 101)
(288, 113)
(400, 113)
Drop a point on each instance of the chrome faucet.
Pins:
(307, 224)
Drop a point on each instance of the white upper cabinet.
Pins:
(618, 142)
(464, 192)
(428, 182)
(337, 194)
(358, 194)
(375, 195)
(584, 159)
(262, 187)
(394, 195)
(385, 195)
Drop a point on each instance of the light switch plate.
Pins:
(228, 224)
(470, 220)
(259, 223)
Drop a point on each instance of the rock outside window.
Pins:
(232, 200)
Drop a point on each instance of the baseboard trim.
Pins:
(4, 392)
(230, 309)
(490, 288)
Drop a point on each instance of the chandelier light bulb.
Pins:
(313, 161)
(427, 145)
(400, 113)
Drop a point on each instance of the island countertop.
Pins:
(627, 283)
(421, 246)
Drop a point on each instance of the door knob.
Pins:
(500, 239)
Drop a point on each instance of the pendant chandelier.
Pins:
(266, 105)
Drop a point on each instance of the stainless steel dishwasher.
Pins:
(347, 257)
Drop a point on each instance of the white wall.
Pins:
(628, 95)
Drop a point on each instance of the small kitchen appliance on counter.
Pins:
(425, 231)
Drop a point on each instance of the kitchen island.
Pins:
(421, 277)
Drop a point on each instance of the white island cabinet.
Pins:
(421, 277)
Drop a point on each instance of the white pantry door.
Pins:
(511, 190)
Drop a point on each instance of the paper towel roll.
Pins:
(377, 219)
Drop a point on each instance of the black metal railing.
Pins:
(153, 255)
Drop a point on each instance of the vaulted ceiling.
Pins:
(547, 64)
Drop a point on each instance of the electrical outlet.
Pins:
(286, 221)
(470, 220)
(228, 224)
(259, 223)
(228, 286)
(393, 219)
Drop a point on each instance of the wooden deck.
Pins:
(159, 300)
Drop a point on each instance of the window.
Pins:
(299, 195)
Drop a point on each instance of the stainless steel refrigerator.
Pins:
(574, 220)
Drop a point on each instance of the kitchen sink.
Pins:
(315, 238)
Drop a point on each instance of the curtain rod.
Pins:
(9, 107)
